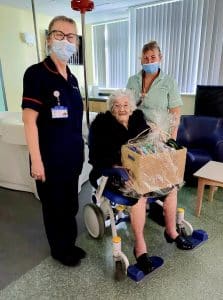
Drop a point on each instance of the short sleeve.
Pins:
(134, 86)
(174, 95)
(32, 89)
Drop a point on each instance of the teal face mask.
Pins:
(151, 68)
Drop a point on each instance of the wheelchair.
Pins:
(110, 207)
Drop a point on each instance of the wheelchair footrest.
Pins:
(136, 274)
(198, 237)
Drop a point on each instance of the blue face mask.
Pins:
(151, 68)
(63, 49)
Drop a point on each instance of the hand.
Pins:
(37, 171)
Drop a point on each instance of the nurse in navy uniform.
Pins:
(52, 115)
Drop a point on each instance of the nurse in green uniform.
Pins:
(156, 92)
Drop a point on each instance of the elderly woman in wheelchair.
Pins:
(108, 132)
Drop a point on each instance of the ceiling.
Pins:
(103, 9)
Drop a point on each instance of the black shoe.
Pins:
(182, 242)
(80, 252)
(143, 262)
(67, 260)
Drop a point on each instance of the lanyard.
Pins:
(143, 91)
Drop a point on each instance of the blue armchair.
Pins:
(203, 138)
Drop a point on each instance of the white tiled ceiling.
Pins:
(104, 9)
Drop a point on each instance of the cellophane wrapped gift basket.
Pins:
(155, 163)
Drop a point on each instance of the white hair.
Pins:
(122, 93)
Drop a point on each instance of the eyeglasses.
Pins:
(59, 35)
(120, 106)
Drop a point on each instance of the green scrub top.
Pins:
(162, 95)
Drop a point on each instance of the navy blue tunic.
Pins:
(60, 140)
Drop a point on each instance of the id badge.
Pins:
(59, 112)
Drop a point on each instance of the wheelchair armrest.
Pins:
(119, 171)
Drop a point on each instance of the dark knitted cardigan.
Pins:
(107, 135)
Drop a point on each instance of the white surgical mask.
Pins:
(63, 49)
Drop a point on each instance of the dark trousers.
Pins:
(60, 206)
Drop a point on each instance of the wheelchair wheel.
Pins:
(94, 220)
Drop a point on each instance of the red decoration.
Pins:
(82, 5)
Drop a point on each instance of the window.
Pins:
(77, 59)
(190, 35)
(111, 55)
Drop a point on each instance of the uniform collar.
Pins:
(51, 67)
